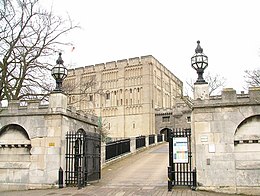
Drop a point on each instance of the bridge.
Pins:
(144, 173)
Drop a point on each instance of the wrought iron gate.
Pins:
(180, 172)
(82, 158)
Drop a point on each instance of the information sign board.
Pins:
(180, 150)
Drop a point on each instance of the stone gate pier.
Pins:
(32, 141)
(227, 141)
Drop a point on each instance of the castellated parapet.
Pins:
(34, 107)
(122, 64)
(229, 97)
(149, 60)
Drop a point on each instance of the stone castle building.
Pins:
(125, 93)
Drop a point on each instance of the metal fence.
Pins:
(159, 138)
(140, 141)
(82, 158)
(114, 149)
(151, 139)
(117, 148)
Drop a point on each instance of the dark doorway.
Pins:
(166, 132)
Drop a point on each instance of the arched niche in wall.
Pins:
(15, 154)
(13, 135)
(248, 130)
(247, 152)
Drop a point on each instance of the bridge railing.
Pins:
(159, 137)
(151, 139)
(117, 148)
(140, 141)
(114, 150)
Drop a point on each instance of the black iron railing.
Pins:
(140, 141)
(159, 138)
(151, 139)
(117, 148)
(82, 158)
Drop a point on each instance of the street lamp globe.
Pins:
(199, 62)
(59, 72)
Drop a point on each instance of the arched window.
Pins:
(107, 95)
(81, 131)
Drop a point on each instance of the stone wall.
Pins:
(32, 141)
(227, 142)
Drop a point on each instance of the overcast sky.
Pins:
(229, 31)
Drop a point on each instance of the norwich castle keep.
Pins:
(125, 93)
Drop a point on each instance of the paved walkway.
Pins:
(142, 174)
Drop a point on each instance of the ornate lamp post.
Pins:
(199, 62)
(59, 73)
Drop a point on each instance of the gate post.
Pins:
(170, 136)
(170, 178)
(194, 176)
(60, 178)
(79, 178)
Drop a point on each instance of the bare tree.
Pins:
(29, 37)
(216, 83)
(252, 77)
(80, 89)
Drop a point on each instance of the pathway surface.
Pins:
(142, 174)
